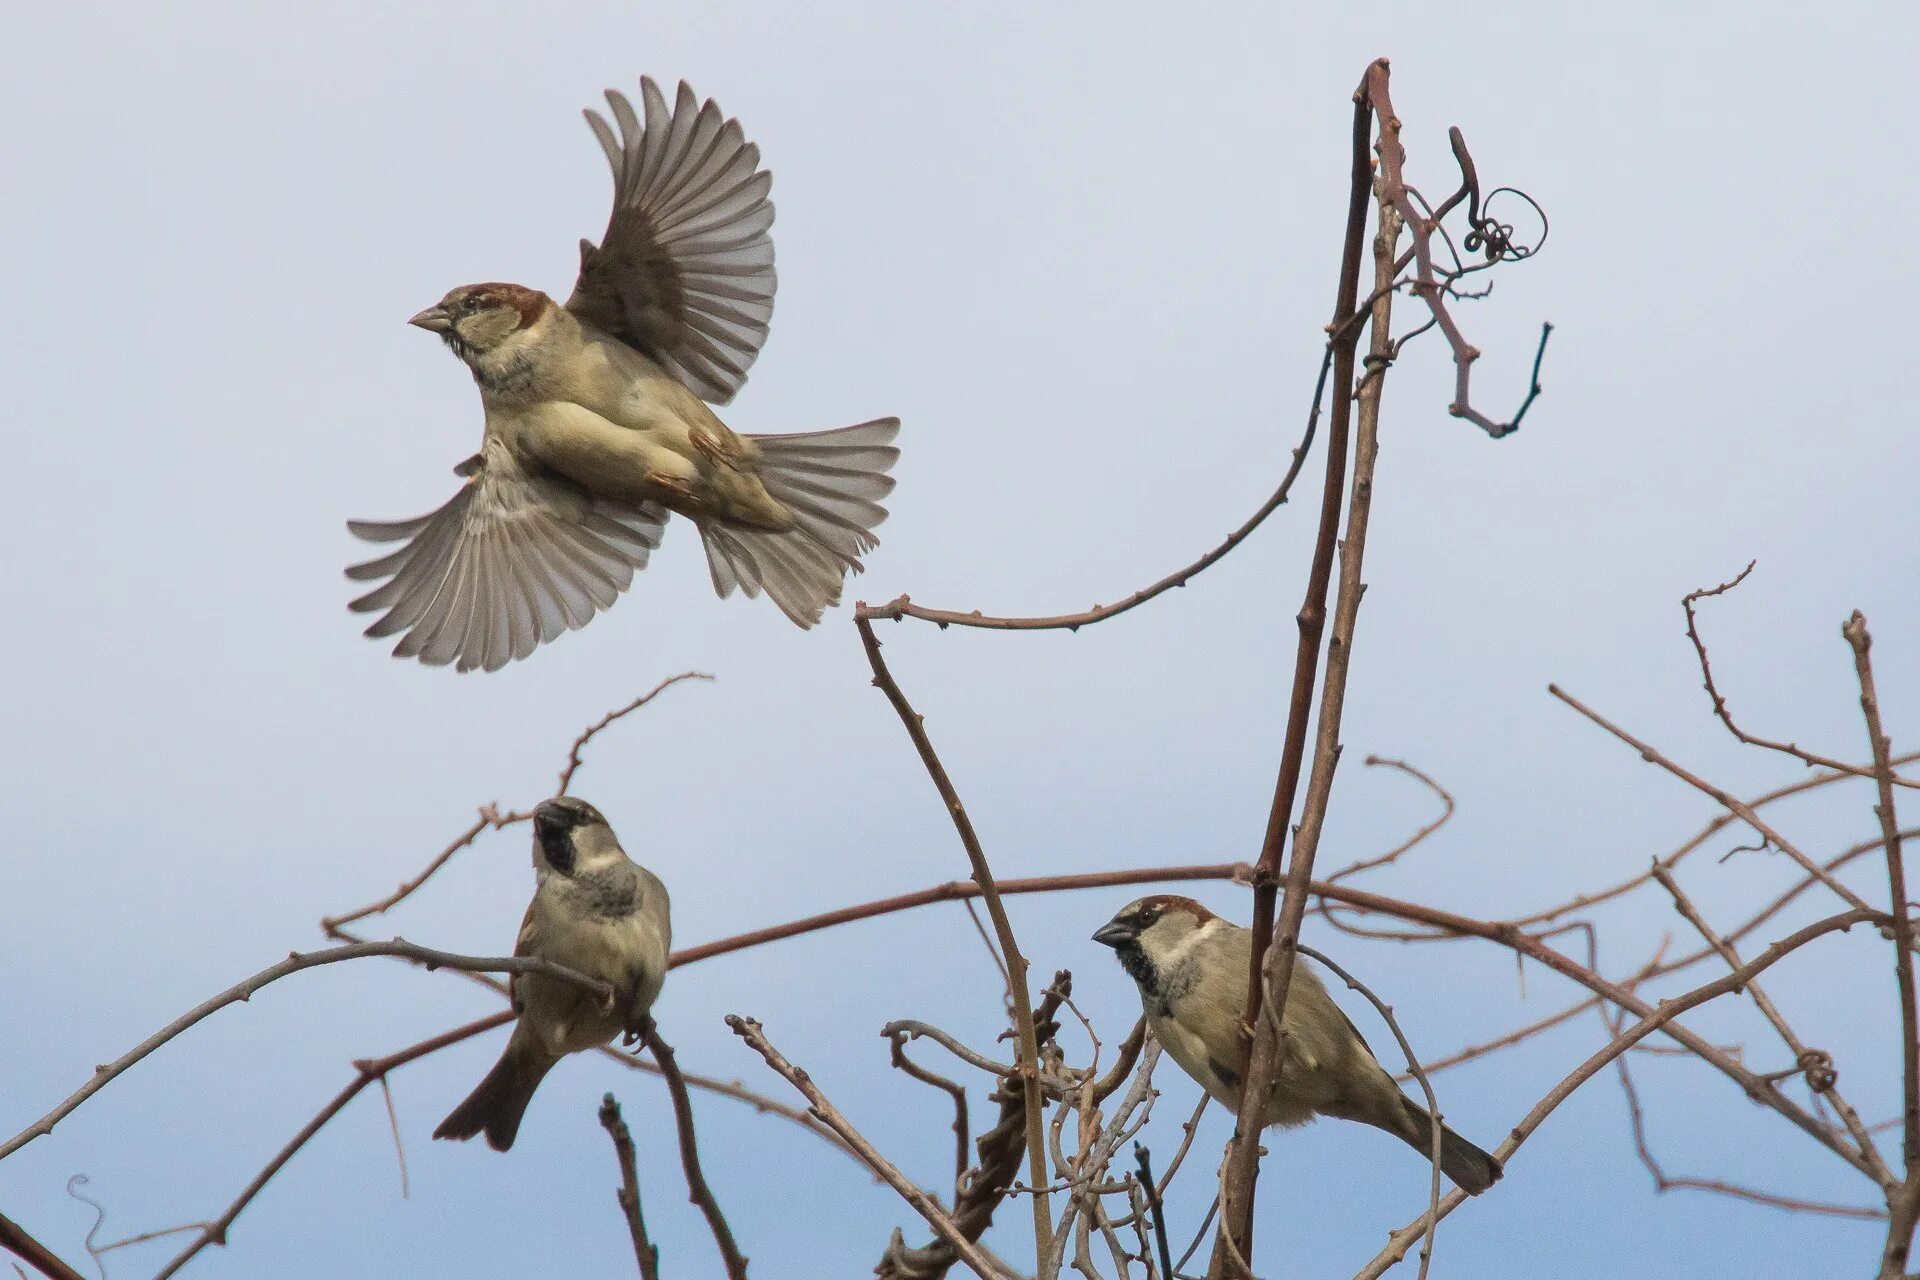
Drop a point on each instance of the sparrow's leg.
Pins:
(638, 1023)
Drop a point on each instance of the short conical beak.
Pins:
(434, 319)
(1113, 934)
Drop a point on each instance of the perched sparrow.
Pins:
(596, 427)
(596, 911)
(1191, 967)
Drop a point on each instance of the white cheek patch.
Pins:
(1183, 948)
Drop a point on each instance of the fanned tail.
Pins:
(832, 482)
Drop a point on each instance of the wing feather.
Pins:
(510, 562)
(685, 271)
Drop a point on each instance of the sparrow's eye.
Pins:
(470, 303)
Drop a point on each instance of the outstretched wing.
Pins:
(510, 562)
(685, 272)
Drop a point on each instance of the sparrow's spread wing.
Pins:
(510, 562)
(685, 273)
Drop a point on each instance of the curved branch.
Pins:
(294, 963)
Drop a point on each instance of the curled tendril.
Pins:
(1494, 238)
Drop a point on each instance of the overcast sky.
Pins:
(1085, 254)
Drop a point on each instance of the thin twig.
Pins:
(1156, 1209)
(897, 1042)
(1664, 1182)
(697, 1189)
(1726, 799)
(1687, 603)
(645, 1252)
(1393, 854)
(1016, 963)
(1815, 1065)
(902, 607)
(294, 963)
(591, 731)
(750, 1031)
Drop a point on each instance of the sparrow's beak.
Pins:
(546, 813)
(434, 319)
(1114, 934)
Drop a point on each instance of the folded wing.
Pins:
(685, 271)
(509, 563)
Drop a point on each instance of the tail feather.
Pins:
(832, 482)
(500, 1099)
(1466, 1166)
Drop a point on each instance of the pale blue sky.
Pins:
(1085, 254)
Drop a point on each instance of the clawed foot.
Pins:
(637, 1029)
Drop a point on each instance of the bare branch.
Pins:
(1720, 710)
(645, 1252)
(1016, 963)
(14, 1238)
(294, 963)
(895, 610)
(1393, 854)
(1726, 799)
(1271, 968)
(750, 1031)
(591, 731)
(1651, 1020)
(1815, 1065)
(366, 1072)
(697, 1189)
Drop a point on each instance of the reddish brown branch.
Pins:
(1270, 970)
(697, 1189)
(1664, 1182)
(1815, 1065)
(955, 891)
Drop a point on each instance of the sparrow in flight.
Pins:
(598, 425)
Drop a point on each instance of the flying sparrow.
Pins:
(597, 423)
(1191, 968)
(598, 912)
